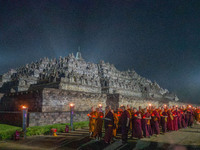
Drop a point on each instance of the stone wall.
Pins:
(45, 118)
(59, 100)
(11, 118)
(14, 101)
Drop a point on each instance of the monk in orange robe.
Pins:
(130, 114)
(116, 121)
(98, 124)
(92, 120)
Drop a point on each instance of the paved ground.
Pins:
(188, 139)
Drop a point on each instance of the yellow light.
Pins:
(189, 105)
(149, 104)
(100, 105)
(24, 107)
(71, 105)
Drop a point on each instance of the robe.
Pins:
(146, 127)
(155, 122)
(183, 119)
(124, 129)
(108, 124)
(170, 118)
(136, 126)
(175, 121)
(191, 119)
(98, 125)
(163, 121)
(116, 121)
(92, 121)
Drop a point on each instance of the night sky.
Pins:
(160, 39)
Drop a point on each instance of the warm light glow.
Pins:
(100, 105)
(71, 105)
(149, 104)
(24, 107)
(189, 105)
(165, 105)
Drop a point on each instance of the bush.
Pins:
(7, 131)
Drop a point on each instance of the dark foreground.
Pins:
(184, 139)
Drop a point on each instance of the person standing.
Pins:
(146, 126)
(98, 124)
(108, 124)
(92, 121)
(163, 120)
(136, 124)
(125, 119)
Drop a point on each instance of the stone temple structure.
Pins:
(48, 86)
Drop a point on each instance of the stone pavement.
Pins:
(189, 139)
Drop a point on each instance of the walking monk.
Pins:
(125, 118)
(146, 126)
(163, 121)
(136, 124)
(92, 120)
(98, 124)
(116, 121)
(108, 124)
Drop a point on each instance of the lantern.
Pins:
(71, 105)
(24, 119)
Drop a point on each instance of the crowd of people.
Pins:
(141, 122)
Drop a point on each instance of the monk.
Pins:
(146, 127)
(191, 119)
(136, 124)
(116, 121)
(155, 122)
(183, 118)
(175, 120)
(92, 120)
(125, 118)
(108, 124)
(163, 120)
(98, 124)
(170, 118)
(129, 111)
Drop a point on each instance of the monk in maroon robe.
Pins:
(155, 122)
(146, 126)
(191, 117)
(183, 119)
(136, 124)
(125, 119)
(170, 118)
(108, 124)
(175, 121)
(163, 120)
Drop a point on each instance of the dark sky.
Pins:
(160, 39)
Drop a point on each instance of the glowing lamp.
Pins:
(161, 115)
(143, 117)
(190, 106)
(135, 115)
(149, 104)
(101, 116)
(165, 105)
(24, 107)
(100, 105)
(118, 115)
(152, 115)
(93, 116)
(71, 105)
(88, 115)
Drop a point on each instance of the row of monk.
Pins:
(140, 122)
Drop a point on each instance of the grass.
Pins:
(7, 131)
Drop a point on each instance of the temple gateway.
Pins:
(48, 86)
